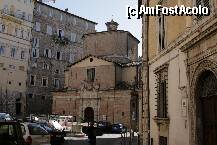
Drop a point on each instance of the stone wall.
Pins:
(113, 105)
(58, 32)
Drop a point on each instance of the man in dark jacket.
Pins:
(91, 132)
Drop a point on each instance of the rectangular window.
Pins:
(32, 80)
(162, 100)
(61, 17)
(39, 9)
(56, 83)
(47, 53)
(35, 42)
(86, 26)
(22, 68)
(37, 26)
(1, 64)
(71, 57)
(12, 66)
(45, 66)
(24, 16)
(22, 55)
(50, 13)
(2, 50)
(162, 140)
(49, 30)
(73, 37)
(161, 35)
(74, 21)
(2, 28)
(91, 74)
(35, 52)
(60, 33)
(44, 82)
(13, 52)
(58, 55)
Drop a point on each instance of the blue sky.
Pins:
(102, 11)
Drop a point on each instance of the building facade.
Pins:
(15, 36)
(102, 84)
(181, 75)
(56, 43)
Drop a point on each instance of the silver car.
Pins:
(34, 134)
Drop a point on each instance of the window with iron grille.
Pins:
(162, 100)
(91, 74)
(161, 89)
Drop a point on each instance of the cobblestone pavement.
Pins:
(106, 139)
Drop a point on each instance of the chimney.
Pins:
(66, 10)
(112, 26)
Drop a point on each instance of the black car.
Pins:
(118, 128)
(98, 130)
(57, 136)
(11, 133)
(105, 126)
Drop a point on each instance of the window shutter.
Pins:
(37, 42)
(49, 30)
(61, 55)
(73, 37)
(34, 42)
(62, 34)
(37, 26)
(49, 53)
(87, 26)
(33, 52)
(1, 28)
(162, 102)
(37, 52)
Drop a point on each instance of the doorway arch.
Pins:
(89, 114)
(206, 92)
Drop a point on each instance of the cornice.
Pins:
(162, 67)
(190, 36)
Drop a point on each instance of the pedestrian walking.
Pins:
(91, 132)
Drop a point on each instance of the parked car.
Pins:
(66, 122)
(11, 133)
(98, 130)
(5, 117)
(105, 126)
(34, 134)
(118, 128)
(56, 125)
(57, 136)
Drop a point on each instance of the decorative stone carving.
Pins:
(205, 65)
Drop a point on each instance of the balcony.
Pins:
(161, 121)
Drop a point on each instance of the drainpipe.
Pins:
(146, 121)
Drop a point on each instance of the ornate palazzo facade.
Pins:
(182, 67)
